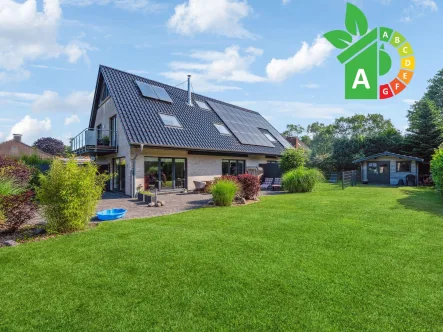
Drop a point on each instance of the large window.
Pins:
(105, 93)
(233, 167)
(119, 170)
(403, 166)
(165, 173)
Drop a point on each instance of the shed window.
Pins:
(170, 120)
(403, 166)
(373, 168)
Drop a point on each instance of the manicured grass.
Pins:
(366, 258)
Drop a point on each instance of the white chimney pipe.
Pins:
(189, 91)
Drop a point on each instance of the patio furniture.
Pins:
(266, 184)
(410, 180)
(277, 184)
(199, 186)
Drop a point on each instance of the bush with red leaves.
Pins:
(16, 170)
(17, 209)
(232, 178)
(250, 185)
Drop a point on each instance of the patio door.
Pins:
(378, 172)
(119, 169)
(165, 173)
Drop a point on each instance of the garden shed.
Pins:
(389, 169)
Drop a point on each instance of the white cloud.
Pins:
(76, 102)
(210, 68)
(129, 5)
(285, 2)
(409, 101)
(221, 17)
(51, 101)
(310, 86)
(31, 129)
(27, 34)
(295, 109)
(418, 8)
(2, 137)
(306, 58)
(51, 67)
(72, 119)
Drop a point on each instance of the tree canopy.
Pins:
(50, 145)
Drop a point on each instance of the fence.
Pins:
(346, 178)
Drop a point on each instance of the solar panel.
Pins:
(146, 90)
(246, 125)
(162, 94)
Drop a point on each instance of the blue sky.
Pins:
(268, 56)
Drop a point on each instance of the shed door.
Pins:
(378, 172)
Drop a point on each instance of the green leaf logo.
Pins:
(356, 22)
(339, 38)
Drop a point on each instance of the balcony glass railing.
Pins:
(95, 140)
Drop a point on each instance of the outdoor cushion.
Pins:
(267, 183)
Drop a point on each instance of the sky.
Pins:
(268, 56)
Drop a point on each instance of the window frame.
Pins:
(172, 116)
(397, 170)
(271, 138)
(228, 133)
(104, 95)
(207, 108)
(229, 161)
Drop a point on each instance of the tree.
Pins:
(50, 145)
(437, 169)
(293, 130)
(435, 90)
(425, 132)
(291, 159)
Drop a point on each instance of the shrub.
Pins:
(301, 180)
(232, 178)
(292, 159)
(50, 145)
(437, 169)
(250, 185)
(223, 192)
(17, 209)
(69, 195)
(13, 169)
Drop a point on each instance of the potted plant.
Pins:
(106, 141)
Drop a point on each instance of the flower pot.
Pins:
(140, 197)
(147, 199)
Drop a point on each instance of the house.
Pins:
(16, 148)
(155, 136)
(297, 143)
(388, 168)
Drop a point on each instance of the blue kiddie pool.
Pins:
(111, 214)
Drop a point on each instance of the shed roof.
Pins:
(387, 154)
(142, 123)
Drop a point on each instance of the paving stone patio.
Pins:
(174, 203)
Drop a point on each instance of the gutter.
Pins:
(228, 153)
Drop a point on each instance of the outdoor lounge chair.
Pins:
(266, 184)
(199, 186)
(277, 184)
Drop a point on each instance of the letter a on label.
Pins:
(361, 79)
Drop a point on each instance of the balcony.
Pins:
(95, 141)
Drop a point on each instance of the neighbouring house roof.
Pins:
(142, 123)
(388, 154)
(13, 148)
(297, 143)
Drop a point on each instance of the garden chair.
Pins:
(199, 186)
(277, 184)
(266, 184)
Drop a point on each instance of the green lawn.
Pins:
(366, 258)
